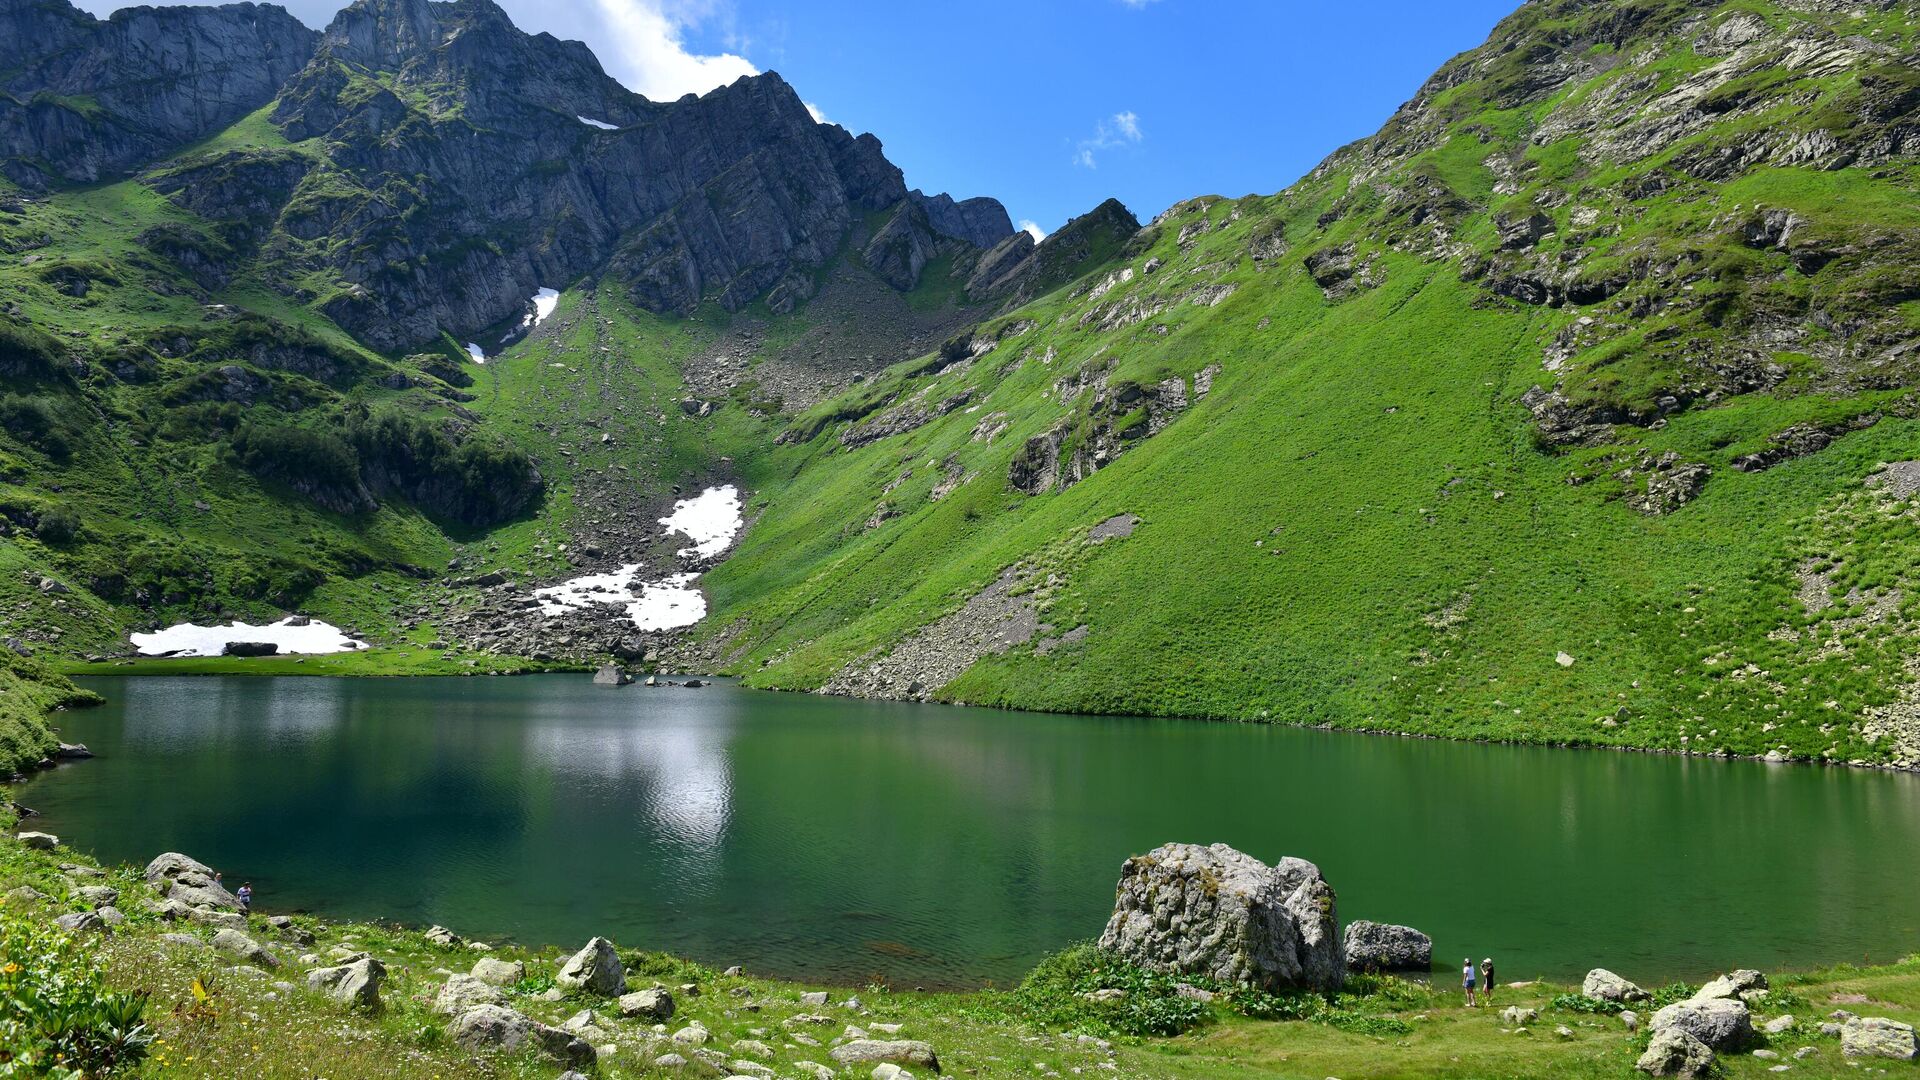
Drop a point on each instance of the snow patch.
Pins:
(614, 588)
(479, 355)
(187, 639)
(711, 520)
(668, 603)
(544, 301)
(601, 124)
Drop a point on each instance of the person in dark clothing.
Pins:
(1486, 980)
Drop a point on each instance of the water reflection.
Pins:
(939, 846)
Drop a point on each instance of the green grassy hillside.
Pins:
(1517, 428)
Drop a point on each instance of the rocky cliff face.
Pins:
(465, 164)
(83, 100)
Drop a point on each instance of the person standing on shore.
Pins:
(1486, 980)
(1467, 980)
(245, 896)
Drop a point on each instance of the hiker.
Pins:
(1467, 980)
(245, 896)
(1486, 980)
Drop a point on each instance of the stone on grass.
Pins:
(208, 916)
(1631, 1019)
(1183, 909)
(292, 931)
(111, 915)
(694, 1034)
(816, 998)
(752, 1048)
(1674, 1052)
(1603, 985)
(1877, 1036)
(595, 969)
(1517, 1016)
(496, 1027)
(189, 881)
(897, 1051)
(39, 841)
(80, 922)
(498, 972)
(1721, 1023)
(170, 910)
(669, 1061)
(1372, 946)
(654, 1005)
(463, 992)
(1778, 1025)
(184, 941)
(443, 937)
(887, 1070)
(24, 894)
(1732, 985)
(243, 948)
(98, 896)
(356, 984)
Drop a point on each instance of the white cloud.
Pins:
(650, 54)
(1120, 129)
(819, 117)
(1031, 229)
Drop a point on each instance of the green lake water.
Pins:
(935, 846)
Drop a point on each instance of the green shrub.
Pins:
(1581, 1003)
(57, 1017)
(313, 461)
(58, 526)
(1054, 996)
(36, 421)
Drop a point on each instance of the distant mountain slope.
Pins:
(1556, 410)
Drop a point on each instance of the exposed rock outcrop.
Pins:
(1372, 946)
(1213, 911)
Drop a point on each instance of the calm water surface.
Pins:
(941, 846)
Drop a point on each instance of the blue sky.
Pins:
(1048, 105)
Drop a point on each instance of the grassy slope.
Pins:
(1357, 527)
(1384, 1028)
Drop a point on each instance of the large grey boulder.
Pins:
(611, 675)
(495, 1027)
(191, 882)
(39, 841)
(897, 1051)
(1183, 909)
(655, 1005)
(1603, 985)
(1877, 1036)
(356, 984)
(498, 972)
(595, 969)
(243, 948)
(463, 992)
(1372, 946)
(1721, 1023)
(1674, 1052)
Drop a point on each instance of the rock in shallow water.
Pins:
(1183, 909)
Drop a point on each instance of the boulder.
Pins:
(694, 1034)
(219, 920)
(292, 931)
(80, 922)
(1779, 1025)
(1603, 985)
(611, 675)
(495, 1027)
(1372, 946)
(356, 984)
(595, 969)
(1516, 1016)
(1734, 985)
(25, 894)
(169, 910)
(178, 877)
(1720, 1023)
(443, 937)
(1877, 1036)
(111, 915)
(39, 841)
(1674, 1052)
(897, 1051)
(1183, 909)
(250, 648)
(243, 948)
(498, 972)
(463, 992)
(98, 896)
(655, 1005)
(817, 998)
